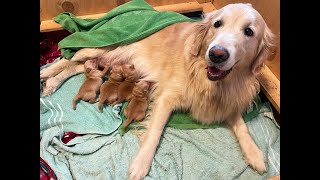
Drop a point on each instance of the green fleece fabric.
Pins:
(124, 24)
(180, 120)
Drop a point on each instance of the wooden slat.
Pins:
(274, 178)
(203, 1)
(181, 7)
(50, 25)
(270, 87)
(208, 7)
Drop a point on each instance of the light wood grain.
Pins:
(51, 8)
(270, 87)
(207, 7)
(50, 25)
(274, 178)
(204, 1)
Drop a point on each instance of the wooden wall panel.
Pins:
(270, 10)
(51, 8)
(164, 2)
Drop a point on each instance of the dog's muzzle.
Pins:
(217, 55)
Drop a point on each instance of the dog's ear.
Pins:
(200, 32)
(266, 51)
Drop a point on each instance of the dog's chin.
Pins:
(215, 74)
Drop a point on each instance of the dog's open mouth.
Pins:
(215, 74)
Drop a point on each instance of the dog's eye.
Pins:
(248, 32)
(217, 24)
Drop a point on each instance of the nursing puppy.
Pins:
(126, 87)
(136, 109)
(91, 86)
(109, 89)
(207, 68)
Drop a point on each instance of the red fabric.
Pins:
(46, 173)
(48, 52)
(67, 136)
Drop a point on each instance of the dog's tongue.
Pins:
(213, 70)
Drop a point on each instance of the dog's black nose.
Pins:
(218, 54)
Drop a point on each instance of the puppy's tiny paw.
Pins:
(140, 166)
(256, 161)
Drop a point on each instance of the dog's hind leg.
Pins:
(161, 111)
(51, 84)
(54, 69)
(252, 154)
(87, 53)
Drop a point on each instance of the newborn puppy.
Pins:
(125, 88)
(136, 109)
(109, 89)
(90, 87)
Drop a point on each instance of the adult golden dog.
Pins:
(206, 68)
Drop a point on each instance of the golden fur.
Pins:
(177, 60)
(137, 107)
(126, 87)
(90, 87)
(109, 89)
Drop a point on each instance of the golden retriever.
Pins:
(207, 68)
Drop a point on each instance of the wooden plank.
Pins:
(208, 7)
(51, 8)
(50, 25)
(181, 7)
(274, 178)
(203, 1)
(270, 87)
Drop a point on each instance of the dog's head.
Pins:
(130, 72)
(141, 88)
(116, 73)
(90, 66)
(235, 36)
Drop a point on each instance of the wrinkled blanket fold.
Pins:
(200, 154)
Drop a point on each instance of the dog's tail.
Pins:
(74, 101)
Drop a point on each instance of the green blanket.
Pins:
(180, 120)
(124, 24)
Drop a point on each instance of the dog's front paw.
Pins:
(140, 166)
(256, 161)
(46, 73)
(49, 87)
